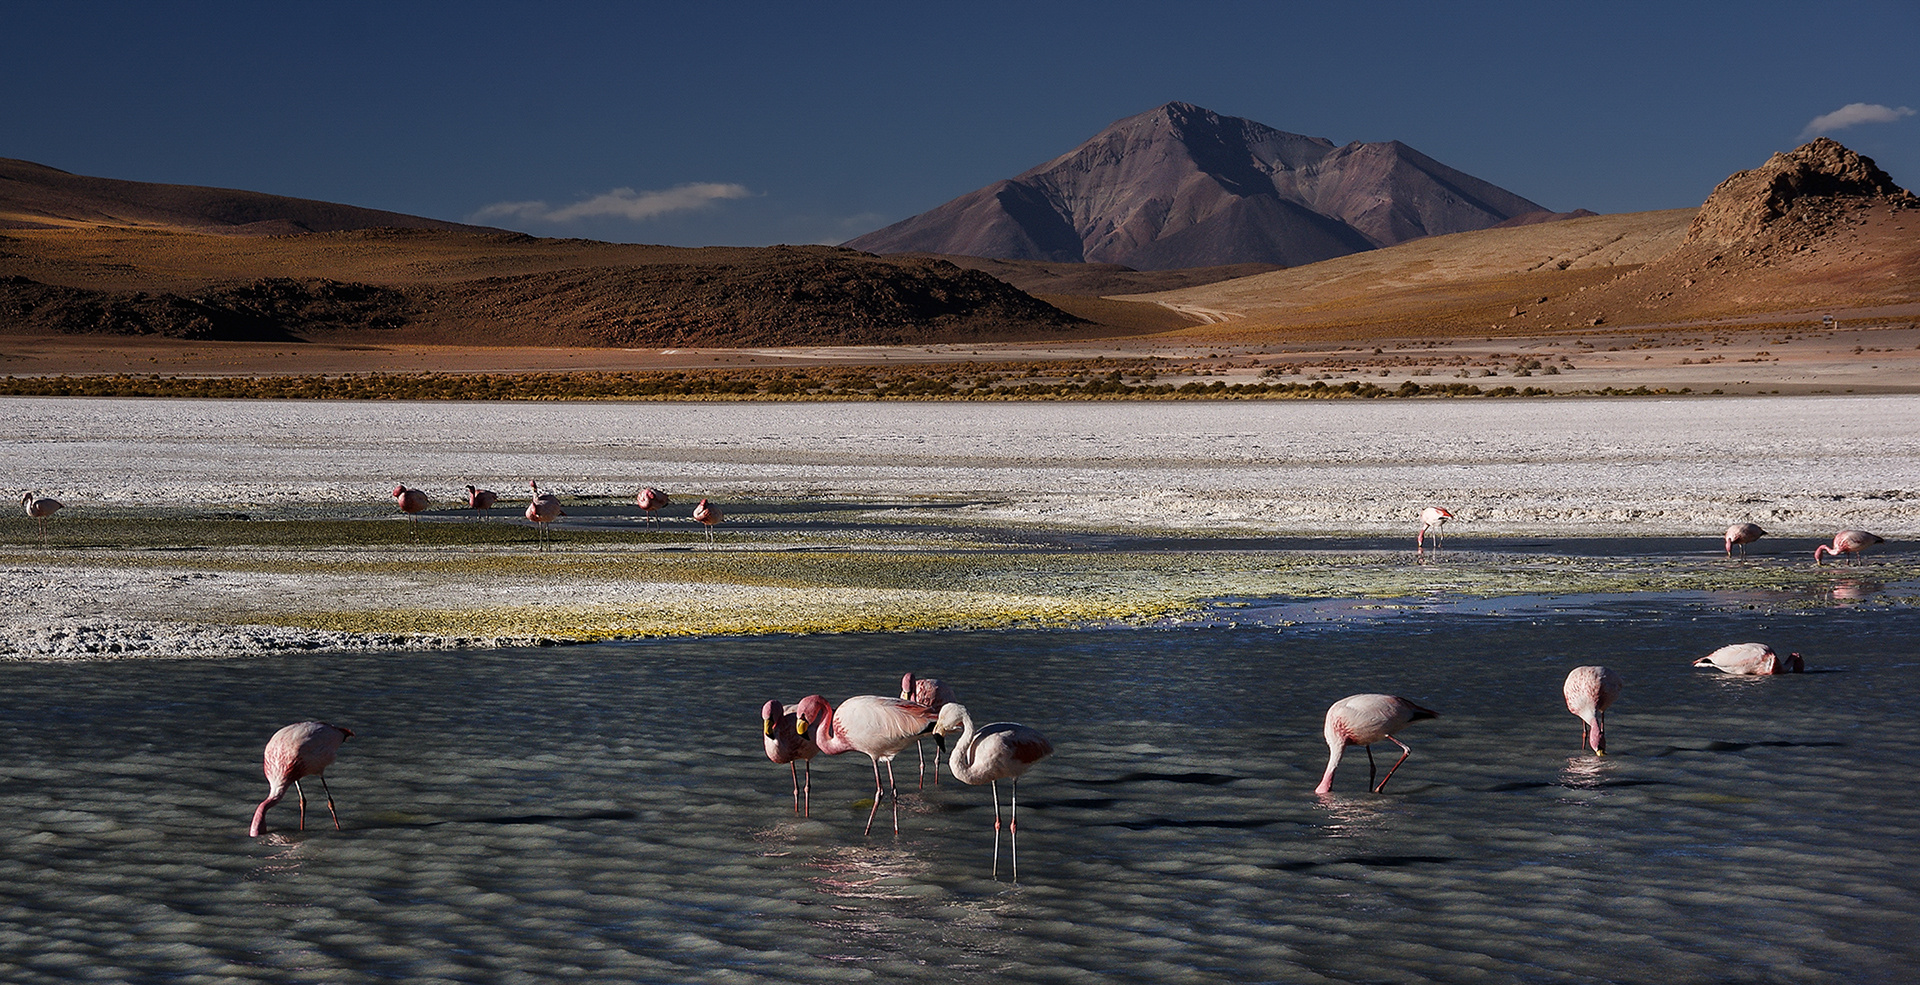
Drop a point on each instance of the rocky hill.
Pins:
(83, 255)
(1180, 186)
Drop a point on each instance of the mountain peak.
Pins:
(1822, 170)
(1182, 186)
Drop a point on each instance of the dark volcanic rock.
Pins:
(270, 310)
(1749, 202)
(1184, 187)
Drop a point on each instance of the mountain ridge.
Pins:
(1181, 186)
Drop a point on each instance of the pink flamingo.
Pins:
(39, 508)
(1751, 659)
(300, 749)
(708, 514)
(1001, 751)
(868, 723)
(1362, 720)
(1852, 542)
(1743, 534)
(410, 501)
(1434, 517)
(787, 741)
(1590, 691)
(650, 501)
(543, 510)
(481, 499)
(934, 694)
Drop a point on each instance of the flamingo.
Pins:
(481, 499)
(1751, 659)
(708, 514)
(1000, 751)
(410, 501)
(877, 726)
(1743, 534)
(300, 749)
(650, 500)
(1590, 691)
(1852, 542)
(1435, 517)
(544, 509)
(1362, 720)
(934, 694)
(786, 738)
(39, 508)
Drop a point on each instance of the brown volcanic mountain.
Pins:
(34, 196)
(82, 255)
(1817, 229)
(1180, 186)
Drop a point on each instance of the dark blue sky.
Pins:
(760, 123)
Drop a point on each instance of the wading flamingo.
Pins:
(650, 501)
(1000, 751)
(1743, 534)
(788, 739)
(934, 694)
(1753, 659)
(543, 510)
(868, 723)
(1362, 720)
(1589, 692)
(1434, 517)
(708, 514)
(1852, 542)
(300, 749)
(481, 499)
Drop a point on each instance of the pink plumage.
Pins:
(867, 723)
(1000, 751)
(300, 749)
(1590, 691)
(1742, 534)
(1853, 542)
(1433, 517)
(788, 740)
(1362, 720)
(933, 693)
(1751, 659)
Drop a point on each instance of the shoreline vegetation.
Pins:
(968, 381)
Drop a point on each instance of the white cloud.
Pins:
(1854, 114)
(620, 203)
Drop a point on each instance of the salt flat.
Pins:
(210, 527)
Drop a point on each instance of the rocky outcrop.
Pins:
(1181, 186)
(1816, 174)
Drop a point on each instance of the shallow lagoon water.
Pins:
(605, 812)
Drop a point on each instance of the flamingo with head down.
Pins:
(1432, 517)
(1362, 720)
(1743, 534)
(300, 749)
(1854, 542)
(1590, 691)
(1751, 659)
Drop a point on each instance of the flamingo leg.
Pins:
(1013, 826)
(996, 829)
(1405, 751)
(1371, 772)
(921, 748)
(330, 810)
(794, 769)
(893, 793)
(303, 804)
(809, 789)
(876, 797)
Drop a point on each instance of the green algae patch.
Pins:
(481, 582)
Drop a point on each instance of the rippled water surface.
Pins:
(606, 813)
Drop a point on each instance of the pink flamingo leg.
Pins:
(1404, 753)
(330, 810)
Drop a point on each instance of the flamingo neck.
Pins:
(827, 735)
(961, 760)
